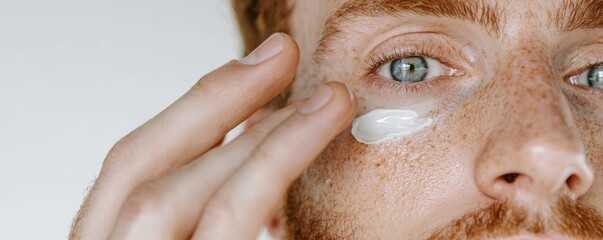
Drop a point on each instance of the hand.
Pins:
(167, 180)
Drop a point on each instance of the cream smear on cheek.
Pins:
(382, 125)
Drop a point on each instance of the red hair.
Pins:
(258, 19)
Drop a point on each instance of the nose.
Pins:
(537, 170)
(533, 152)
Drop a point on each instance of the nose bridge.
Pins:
(535, 147)
(535, 101)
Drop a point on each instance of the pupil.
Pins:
(409, 70)
(408, 67)
(595, 77)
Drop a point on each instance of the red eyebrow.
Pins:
(477, 11)
(578, 14)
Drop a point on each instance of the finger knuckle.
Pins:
(121, 149)
(145, 201)
(219, 210)
(253, 135)
(201, 88)
(262, 155)
(116, 158)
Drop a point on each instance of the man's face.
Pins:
(516, 98)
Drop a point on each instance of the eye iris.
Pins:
(410, 69)
(595, 77)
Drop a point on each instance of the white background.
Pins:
(77, 75)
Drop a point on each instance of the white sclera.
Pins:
(382, 125)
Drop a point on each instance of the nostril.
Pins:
(511, 177)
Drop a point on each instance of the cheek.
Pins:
(410, 181)
(422, 180)
(588, 115)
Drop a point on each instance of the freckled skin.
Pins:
(517, 116)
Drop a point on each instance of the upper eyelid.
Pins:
(375, 63)
(577, 62)
(576, 72)
(570, 61)
(438, 46)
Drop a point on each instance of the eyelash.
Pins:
(592, 63)
(392, 87)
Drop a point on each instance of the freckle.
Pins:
(489, 86)
(361, 99)
(325, 80)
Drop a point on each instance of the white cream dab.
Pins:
(381, 125)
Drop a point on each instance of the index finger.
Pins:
(189, 127)
(217, 103)
(240, 207)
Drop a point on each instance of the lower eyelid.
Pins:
(425, 89)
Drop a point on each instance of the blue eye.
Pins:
(593, 77)
(412, 69)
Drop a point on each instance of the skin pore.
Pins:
(514, 147)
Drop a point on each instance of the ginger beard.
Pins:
(325, 204)
(510, 112)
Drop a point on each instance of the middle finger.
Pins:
(170, 206)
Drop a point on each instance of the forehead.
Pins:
(563, 15)
(517, 5)
(324, 21)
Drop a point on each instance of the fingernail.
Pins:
(268, 49)
(320, 98)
